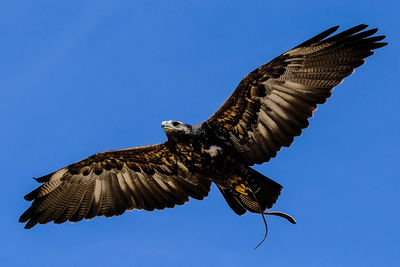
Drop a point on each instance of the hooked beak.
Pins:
(165, 125)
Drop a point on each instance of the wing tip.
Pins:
(22, 219)
(43, 179)
(32, 195)
(381, 44)
(325, 36)
(334, 28)
(31, 223)
(319, 37)
(27, 217)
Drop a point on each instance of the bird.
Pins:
(269, 107)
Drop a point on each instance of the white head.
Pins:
(176, 127)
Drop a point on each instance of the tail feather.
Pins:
(262, 194)
(232, 201)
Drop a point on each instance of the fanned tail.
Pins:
(254, 192)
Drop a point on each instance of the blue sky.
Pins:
(79, 77)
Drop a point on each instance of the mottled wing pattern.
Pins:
(111, 182)
(271, 105)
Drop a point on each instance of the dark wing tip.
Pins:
(357, 28)
(30, 224)
(347, 33)
(44, 178)
(355, 33)
(361, 26)
(25, 216)
(319, 36)
(22, 219)
(381, 44)
(32, 195)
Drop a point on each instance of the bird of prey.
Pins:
(269, 107)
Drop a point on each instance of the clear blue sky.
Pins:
(79, 77)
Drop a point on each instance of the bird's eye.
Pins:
(175, 123)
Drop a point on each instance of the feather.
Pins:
(294, 83)
(85, 203)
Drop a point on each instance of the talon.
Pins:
(242, 189)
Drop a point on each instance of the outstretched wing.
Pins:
(108, 183)
(271, 105)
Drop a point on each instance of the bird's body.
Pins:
(267, 110)
(210, 153)
(204, 152)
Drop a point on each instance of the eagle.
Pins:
(269, 107)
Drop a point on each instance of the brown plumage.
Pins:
(267, 110)
(111, 182)
(271, 105)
